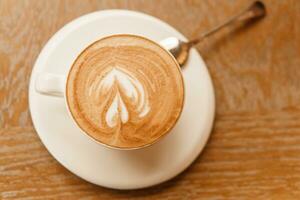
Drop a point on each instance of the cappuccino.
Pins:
(125, 91)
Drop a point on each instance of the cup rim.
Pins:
(166, 132)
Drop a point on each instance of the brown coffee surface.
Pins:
(125, 91)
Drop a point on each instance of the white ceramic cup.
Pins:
(55, 85)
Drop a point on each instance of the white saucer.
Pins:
(96, 163)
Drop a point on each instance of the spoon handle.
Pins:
(255, 10)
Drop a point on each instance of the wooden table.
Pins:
(254, 149)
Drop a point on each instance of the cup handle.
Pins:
(50, 84)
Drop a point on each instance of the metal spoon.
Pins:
(180, 49)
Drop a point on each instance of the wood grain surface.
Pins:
(254, 149)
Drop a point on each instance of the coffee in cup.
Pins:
(125, 91)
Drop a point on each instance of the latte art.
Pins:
(120, 90)
(125, 91)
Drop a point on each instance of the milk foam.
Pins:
(130, 86)
(125, 91)
(116, 112)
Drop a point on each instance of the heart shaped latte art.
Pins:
(119, 92)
